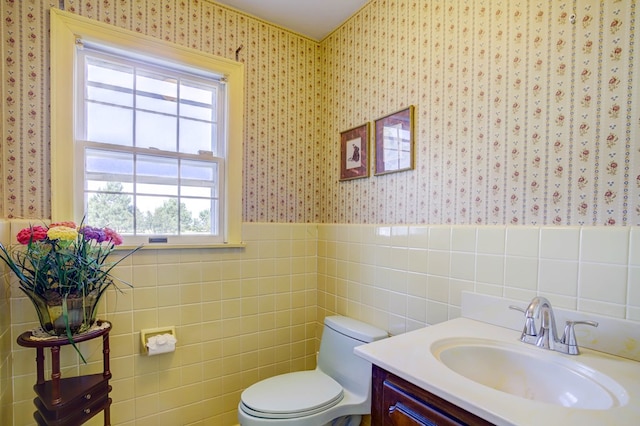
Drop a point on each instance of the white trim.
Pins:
(66, 29)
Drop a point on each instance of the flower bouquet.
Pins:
(63, 269)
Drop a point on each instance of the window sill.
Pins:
(160, 246)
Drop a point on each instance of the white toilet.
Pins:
(337, 392)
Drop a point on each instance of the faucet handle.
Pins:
(569, 336)
(529, 331)
(517, 308)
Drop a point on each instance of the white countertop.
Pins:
(409, 356)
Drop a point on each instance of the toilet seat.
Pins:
(291, 395)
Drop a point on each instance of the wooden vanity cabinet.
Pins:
(396, 402)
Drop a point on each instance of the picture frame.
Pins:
(354, 153)
(394, 142)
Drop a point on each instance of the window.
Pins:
(151, 141)
(156, 146)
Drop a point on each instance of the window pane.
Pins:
(109, 189)
(156, 189)
(197, 101)
(149, 102)
(201, 170)
(157, 215)
(195, 111)
(109, 96)
(195, 136)
(195, 216)
(156, 93)
(196, 191)
(100, 160)
(215, 217)
(155, 131)
(109, 124)
(197, 93)
(106, 73)
(95, 185)
(156, 85)
(108, 166)
(108, 82)
(110, 209)
(155, 166)
(199, 179)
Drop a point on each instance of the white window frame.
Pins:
(213, 154)
(66, 30)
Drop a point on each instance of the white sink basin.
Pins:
(484, 369)
(529, 372)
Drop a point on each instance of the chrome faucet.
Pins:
(547, 336)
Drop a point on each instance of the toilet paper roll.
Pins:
(161, 344)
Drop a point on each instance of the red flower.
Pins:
(34, 233)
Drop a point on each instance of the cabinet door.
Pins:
(404, 410)
(396, 402)
(401, 415)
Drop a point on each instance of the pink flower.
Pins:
(33, 233)
(113, 236)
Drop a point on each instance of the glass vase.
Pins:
(80, 312)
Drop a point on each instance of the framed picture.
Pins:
(354, 157)
(394, 142)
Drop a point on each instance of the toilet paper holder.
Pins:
(148, 333)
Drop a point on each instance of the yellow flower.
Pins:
(63, 233)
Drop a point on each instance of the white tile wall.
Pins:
(558, 277)
(561, 243)
(634, 246)
(522, 241)
(491, 240)
(260, 304)
(605, 245)
(590, 269)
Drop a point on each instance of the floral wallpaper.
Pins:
(281, 153)
(526, 111)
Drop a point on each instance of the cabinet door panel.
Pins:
(400, 415)
(396, 402)
(405, 410)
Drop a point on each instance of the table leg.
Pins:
(39, 366)
(107, 413)
(105, 356)
(55, 375)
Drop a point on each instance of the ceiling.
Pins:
(312, 18)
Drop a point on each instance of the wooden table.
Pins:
(72, 400)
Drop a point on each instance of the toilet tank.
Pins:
(336, 358)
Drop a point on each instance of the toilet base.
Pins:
(318, 419)
(352, 420)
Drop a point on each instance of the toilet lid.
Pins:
(291, 395)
